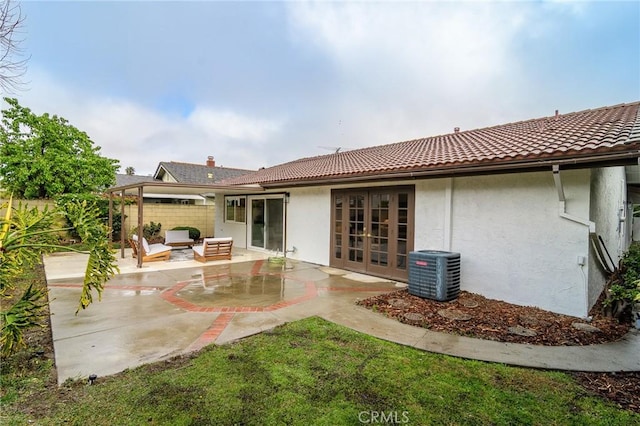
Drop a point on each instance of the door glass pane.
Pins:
(257, 223)
(403, 230)
(356, 228)
(378, 240)
(274, 224)
(337, 227)
(403, 201)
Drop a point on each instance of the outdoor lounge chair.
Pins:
(150, 252)
(213, 249)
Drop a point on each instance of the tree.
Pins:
(25, 235)
(11, 68)
(42, 156)
(130, 171)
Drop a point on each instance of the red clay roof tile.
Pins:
(603, 130)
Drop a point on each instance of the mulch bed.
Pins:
(473, 315)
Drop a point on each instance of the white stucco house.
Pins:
(523, 203)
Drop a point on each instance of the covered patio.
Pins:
(143, 189)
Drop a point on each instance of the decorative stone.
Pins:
(522, 331)
(413, 317)
(532, 321)
(399, 303)
(585, 327)
(468, 303)
(454, 314)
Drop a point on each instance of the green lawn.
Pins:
(313, 372)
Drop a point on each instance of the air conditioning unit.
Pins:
(434, 274)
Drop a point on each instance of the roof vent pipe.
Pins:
(456, 130)
(557, 114)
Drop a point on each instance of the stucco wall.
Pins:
(514, 245)
(607, 198)
(308, 224)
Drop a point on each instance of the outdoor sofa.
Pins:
(178, 238)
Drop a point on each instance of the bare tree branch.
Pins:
(12, 68)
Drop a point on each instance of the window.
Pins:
(235, 209)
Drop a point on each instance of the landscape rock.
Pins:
(522, 331)
(454, 314)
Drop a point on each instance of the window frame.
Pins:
(236, 204)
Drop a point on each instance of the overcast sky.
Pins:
(261, 83)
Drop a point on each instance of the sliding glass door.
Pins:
(266, 227)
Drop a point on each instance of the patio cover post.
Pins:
(110, 223)
(122, 239)
(140, 223)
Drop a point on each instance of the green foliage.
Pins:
(23, 314)
(26, 235)
(102, 262)
(42, 156)
(630, 264)
(150, 231)
(194, 233)
(101, 203)
(624, 288)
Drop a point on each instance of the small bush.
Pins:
(194, 233)
(150, 231)
(624, 289)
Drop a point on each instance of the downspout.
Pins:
(591, 225)
(448, 200)
(563, 210)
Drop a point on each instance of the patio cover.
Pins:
(139, 190)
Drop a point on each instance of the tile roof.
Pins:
(560, 137)
(199, 173)
(124, 180)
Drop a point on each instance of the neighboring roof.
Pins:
(580, 139)
(197, 173)
(123, 180)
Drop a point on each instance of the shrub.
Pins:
(150, 231)
(194, 233)
(623, 289)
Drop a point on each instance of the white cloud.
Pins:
(408, 68)
(233, 125)
(142, 137)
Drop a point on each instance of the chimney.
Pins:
(210, 161)
(456, 130)
(557, 113)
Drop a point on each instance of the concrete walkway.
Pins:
(170, 308)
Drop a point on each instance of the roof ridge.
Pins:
(204, 165)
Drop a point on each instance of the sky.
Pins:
(256, 84)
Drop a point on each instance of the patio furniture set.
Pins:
(211, 248)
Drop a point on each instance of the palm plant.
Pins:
(27, 234)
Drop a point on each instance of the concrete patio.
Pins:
(175, 307)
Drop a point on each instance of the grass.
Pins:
(309, 372)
